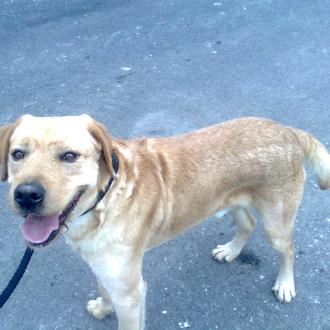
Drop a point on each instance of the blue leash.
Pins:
(9, 289)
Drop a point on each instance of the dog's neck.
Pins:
(103, 192)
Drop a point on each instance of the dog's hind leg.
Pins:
(279, 217)
(245, 222)
(101, 306)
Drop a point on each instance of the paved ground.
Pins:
(164, 67)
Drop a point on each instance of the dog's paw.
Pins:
(284, 290)
(98, 308)
(227, 252)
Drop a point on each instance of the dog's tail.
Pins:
(317, 156)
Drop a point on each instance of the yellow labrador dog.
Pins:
(114, 199)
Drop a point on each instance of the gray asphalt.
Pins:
(160, 68)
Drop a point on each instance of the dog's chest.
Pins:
(83, 237)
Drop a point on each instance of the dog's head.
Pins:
(55, 167)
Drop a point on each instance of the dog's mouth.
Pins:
(40, 230)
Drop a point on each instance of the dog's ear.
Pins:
(100, 133)
(5, 135)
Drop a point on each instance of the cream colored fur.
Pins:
(163, 187)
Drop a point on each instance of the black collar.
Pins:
(102, 193)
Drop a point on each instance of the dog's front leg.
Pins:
(101, 306)
(129, 305)
(121, 278)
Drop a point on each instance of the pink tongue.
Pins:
(37, 229)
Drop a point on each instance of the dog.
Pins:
(114, 199)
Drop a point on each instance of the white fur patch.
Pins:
(222, 213)
(126, 153)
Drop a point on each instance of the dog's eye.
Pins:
(17, 154)
(69, 157)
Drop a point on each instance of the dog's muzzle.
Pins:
(39, 230)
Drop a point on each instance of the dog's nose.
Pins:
(29, 196)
